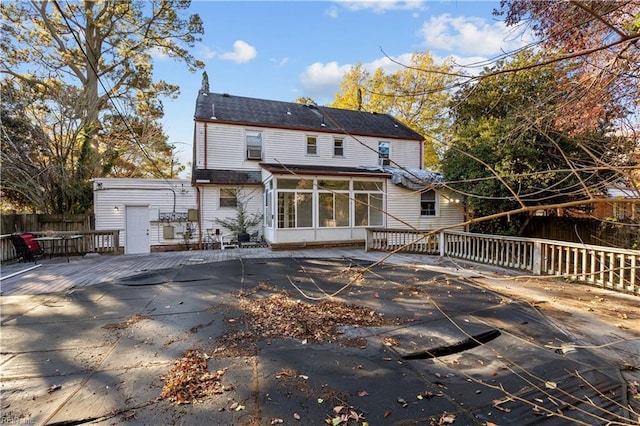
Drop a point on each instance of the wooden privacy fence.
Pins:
(104, 242)
(607, 267)
(27, 222)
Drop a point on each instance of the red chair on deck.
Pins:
(27, 248)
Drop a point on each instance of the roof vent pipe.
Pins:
(213, 111)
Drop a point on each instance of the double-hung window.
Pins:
(312, 145)
(228, 197)
(254, 145)
(338, 147)
(428, 203)
(383, 153)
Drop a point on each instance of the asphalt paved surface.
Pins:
(462, 355)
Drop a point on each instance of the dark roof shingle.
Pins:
(240, 110)
(322, 170)
(227, 177)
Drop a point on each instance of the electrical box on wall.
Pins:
(193, 215)
(167, 232)
(173, 216)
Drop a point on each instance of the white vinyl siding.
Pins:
(226, 149)
(403, 205)
(156, 194)
(211, 209)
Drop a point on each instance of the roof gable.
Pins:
(240, 110)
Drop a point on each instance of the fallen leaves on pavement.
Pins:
(279, 316)
(190, 379)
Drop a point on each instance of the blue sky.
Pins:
(288, 49)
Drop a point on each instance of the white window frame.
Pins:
(435, 201)
(384, 160)
(284, 218)
(371, 210)
(228, 191)
(335, 147)
(313, 145)
(253, 150)
(334, 193)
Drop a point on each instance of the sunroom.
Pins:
(307, 205)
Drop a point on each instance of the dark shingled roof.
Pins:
(227, 177)
(322, 170)
(224, 108)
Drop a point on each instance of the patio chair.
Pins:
(228, 241)
(27, 248)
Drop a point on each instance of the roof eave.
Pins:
(306, 129)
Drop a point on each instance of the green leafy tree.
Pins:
(507, 152)
(417, 95)
(99, 53)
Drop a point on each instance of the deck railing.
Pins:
(104, 242)
(607, 267)
(404, 240)
(508, 252)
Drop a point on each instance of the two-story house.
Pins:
(317, 175)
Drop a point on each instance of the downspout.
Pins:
(199, 207)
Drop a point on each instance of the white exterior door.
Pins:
(137, 230)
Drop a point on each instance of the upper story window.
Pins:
(254, 145)
(338, 147)
(428, 203)
(383, 153)
(312, 145)
(228, 197)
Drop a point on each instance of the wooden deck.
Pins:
(56, 275)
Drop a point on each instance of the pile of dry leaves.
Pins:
(190, 379)
(279, 316)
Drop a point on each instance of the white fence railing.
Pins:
(607, 267)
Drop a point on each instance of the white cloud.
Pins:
(380, 6)
(323, 79)
(242, 52)
(469, 36)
